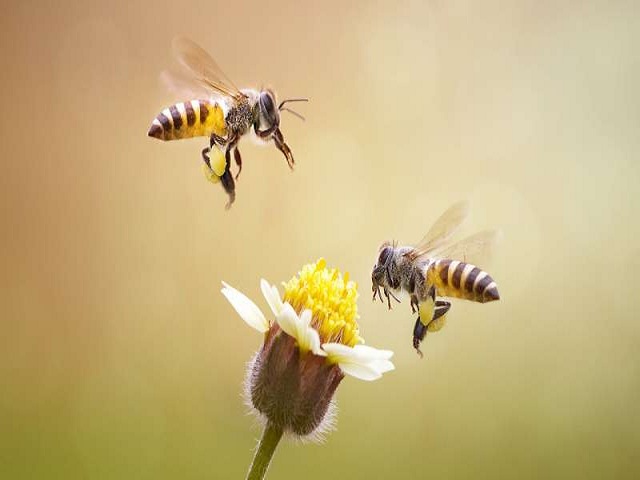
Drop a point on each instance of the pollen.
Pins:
(218, 165)
(332, 299)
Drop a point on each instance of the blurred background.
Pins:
(119, 358)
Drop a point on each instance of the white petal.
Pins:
(337, 351)
(299, 328)
(288, 320)
(373, 354)
(309, 337)
(383, 366)
(358, 353)
(363, 372)
(364, 362)
(303, 327)
(272, 296)
(315, 346)
(370, 352)
(313, 342)
(247, 310)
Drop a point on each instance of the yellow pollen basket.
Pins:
(218, 165)
(331, 298)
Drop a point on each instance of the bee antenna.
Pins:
(287, 100)
(293, 112)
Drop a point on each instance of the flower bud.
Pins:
(307, 351)
(291, 389)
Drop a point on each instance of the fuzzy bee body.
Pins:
(225, 117)
(428, 273)
(453, 278)
(193, 118)
(449, 278)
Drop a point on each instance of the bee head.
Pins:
(269, 115)
(380, 268)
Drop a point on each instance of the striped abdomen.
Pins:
(462, 280)
(195, 118)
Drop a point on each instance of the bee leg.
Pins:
(376, 290)
(238, 159)
(419, 332)
(213, 141)
(442, 307)
(205, 157)
(216, 139)
(232, 144)
(227, 181)
(283, 147)
(386, 294)
(414, 304)
(394, 297)
(389, 294)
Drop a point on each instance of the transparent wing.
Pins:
(443, 228)
(203, 68)
(476, 249)
(184, 85)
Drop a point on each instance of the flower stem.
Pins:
(266, 448)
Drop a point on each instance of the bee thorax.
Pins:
(240, 118)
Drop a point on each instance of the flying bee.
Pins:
(222, 112)
(428, 271)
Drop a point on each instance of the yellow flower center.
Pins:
(331, 298)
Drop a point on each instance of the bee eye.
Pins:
(268, 108)
(384, 255)
(266, 102)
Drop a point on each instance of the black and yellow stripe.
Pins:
(194, 118)
(453, 278)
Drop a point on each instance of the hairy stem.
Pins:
(266, 448)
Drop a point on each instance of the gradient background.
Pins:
(119, 358)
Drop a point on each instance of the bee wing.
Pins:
(443, 229)
(203, 68)
(183, 84)
(473, 249)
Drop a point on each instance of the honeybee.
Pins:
(223, 112)
(427, 272)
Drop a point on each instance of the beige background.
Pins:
(119, 358)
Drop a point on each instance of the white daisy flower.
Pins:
(309, 347)
(331, 315)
